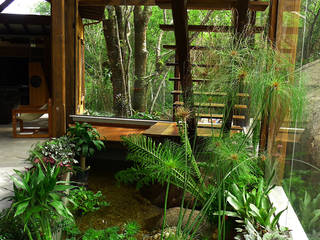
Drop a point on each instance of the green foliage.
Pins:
(86, 139)
(43, 8)
(86, 201)
(11, 227)
(127, 232)
(161, 162)
(309, 213)
(146, 116)
(60, 151)
(253, 206)
(305, 200)
(38, 200)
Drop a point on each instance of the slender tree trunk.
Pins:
(113, 36)
(141, 20)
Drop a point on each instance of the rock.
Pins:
(156, 195)
(205, 228)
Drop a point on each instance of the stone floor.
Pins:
(13, 152)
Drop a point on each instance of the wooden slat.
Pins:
(213, 93)
(218, 126)
(193, 65)
(203, 28)
(193, 80)
(173, 47)
(114, 134)
(213, 105)
(207, 115)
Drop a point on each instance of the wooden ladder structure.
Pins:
(183, 81)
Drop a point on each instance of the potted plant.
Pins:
(86, 140)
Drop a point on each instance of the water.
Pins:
(126, 203)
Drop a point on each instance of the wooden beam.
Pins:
(58, 68)
(180, 20)
(5, 4)
(215, 4)
(71, 15)
(116, 2)
(24, 19)
(166, 4)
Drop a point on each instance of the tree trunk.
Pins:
(141, 20)
(113, 36)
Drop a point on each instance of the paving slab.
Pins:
(13, 153)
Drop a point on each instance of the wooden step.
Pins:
(193, 80)
(193, 65)
(173, 47)
(211, 105)
(207, 115)
(178, 92)
(208, 28)
(205, 125)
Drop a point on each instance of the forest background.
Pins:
(125, 64)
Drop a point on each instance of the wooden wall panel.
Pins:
(38, 96)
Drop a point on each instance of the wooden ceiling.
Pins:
(22, 28)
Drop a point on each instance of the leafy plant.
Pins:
(38, 200)
(128, 232)
(254, 206)
(86, 201)
(309, 213)
(248, 232)
(59, 151)
(86, 139)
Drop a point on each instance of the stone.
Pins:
(205, 228)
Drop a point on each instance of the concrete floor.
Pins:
(13, 152)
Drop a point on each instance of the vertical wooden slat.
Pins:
(58, 68)
(71, 10)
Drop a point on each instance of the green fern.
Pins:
(163, 161)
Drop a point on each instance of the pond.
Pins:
(126, 202)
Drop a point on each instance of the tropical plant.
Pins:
(254, 206)
(86, 139)
(86, 201)
(38, 200)
(248, 232)
(309, 213)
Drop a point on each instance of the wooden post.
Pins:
(58, 68)
(180, 20)
(71, 14)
